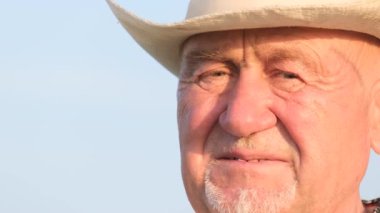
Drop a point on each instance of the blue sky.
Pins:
(87, 118)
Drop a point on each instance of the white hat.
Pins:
(163, 42)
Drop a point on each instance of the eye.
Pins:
(214, 75)
(217, 79)
(288, 75)
(287, 81)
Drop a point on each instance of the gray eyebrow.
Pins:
(193, 59)
(278, 54)
(204, 54)
(274, 55)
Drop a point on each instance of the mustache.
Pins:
(251, 142)
(269, 140)
(247, 143)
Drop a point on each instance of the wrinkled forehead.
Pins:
(224, 40)
(360, 50)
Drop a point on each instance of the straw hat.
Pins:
(163, 42)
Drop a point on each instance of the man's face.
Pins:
(274, 120)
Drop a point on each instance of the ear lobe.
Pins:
(376, 146)
(375, 117)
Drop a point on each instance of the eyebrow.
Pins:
(309, 58)
(276, 55)
(267, 55)
(192, 60)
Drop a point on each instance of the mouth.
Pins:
(249, 156)
(246, 168)
(243, 160)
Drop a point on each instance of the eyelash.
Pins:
(221, 72)
(217, 78)
(215, 73)
(224, 68)
(286, 74)
(220, 77)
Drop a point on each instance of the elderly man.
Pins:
(278, 101)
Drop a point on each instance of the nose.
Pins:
(248, 106)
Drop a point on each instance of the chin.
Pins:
(248, 199)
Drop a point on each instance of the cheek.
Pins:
(329, 132)
(197, 114)
(325, 120)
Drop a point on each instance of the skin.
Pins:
(304, 102)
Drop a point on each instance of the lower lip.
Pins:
(238, 173)
(261, 166)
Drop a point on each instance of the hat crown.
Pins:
(205, 7)
(164, 41)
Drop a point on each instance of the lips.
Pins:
(243, 160)
(233, 168)
(249, 156)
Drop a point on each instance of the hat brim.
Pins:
(163, 41)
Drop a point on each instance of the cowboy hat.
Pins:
(163, 41)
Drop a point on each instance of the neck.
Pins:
(337, 204)
(351, 204)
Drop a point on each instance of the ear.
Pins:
(374, 117)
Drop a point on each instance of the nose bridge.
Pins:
(248, 108)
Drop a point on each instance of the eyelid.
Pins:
(295, 67)
(197, 70)
(280, 81)
(279, 72)
(214, 65)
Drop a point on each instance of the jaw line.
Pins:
(267, 201)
